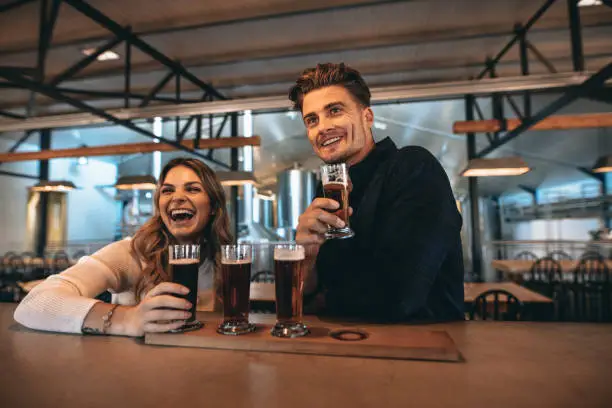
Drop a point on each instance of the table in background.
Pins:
(472, 290)
(507, 365)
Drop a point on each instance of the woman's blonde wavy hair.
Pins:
(150, 243)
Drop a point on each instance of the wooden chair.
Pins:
(526, 256)
(544, 275)
(263, 277)
(590, 291)
(61, 261)
(78, 255)
(559, 256)
(592, 255)
(489, 306)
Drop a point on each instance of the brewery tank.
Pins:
(296, 189)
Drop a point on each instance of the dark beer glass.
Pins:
(236, 287)
(185, 261)
(288, 274)
(335, 186)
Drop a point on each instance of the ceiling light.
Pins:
(48, 186)
(108, 55)
(586, 3)
(603, 164)
(504, 166)
(236, 178)
(136, 183)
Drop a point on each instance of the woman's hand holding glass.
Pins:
(159, 311)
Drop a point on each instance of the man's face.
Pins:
(338, 127)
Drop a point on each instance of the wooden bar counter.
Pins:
(506, 365)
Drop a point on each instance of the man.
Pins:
(405, 261)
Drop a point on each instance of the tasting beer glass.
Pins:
(236, 287)
(335, 186)
(288, 274)
(185, 261)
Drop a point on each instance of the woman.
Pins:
(189, 208)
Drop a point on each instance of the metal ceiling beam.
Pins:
(437, 91)
(135, 41)
(228, 22)
(14, 174)
(11, 115)
(85, 62)
(14, 4)
(517, 36)
(51, 92)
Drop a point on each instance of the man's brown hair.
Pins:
(327, 75)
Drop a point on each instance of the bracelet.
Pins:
(107, 319)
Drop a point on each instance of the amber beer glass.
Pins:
(335, 186)
(185, 261)
(288, 275)
(236, 287)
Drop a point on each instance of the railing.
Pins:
(575, 249)
(574, 208)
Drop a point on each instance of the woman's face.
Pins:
(184, 205)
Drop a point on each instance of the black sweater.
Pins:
(405, 261)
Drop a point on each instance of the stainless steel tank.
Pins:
(296, 189)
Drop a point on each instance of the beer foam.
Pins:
(235, 261)
(286, 254)
(184, 261)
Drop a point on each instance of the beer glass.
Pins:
(335, 186)
(288, 274)
(185, 261)
(236, 287)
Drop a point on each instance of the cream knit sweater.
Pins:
(62, 301)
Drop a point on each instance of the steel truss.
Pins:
(593, 87)
(35, 80)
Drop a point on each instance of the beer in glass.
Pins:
(335, 186)
(288, 274)
(236, 287)
(185, 261)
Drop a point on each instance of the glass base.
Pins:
(339, 233)
(235, 328)
(289, 330)
(189, 326)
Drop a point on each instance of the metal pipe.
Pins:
(575, 35)
(474, 196)
(127, 72)
(524, 57)
(234, 167)
(43, 208)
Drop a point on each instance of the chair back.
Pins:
(546, 270)
(591, 291)
(263, 277)
(592, 255)
(592, 270)
(526, 256)
(496, 304)
(559, 256)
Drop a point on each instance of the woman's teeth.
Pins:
(181, 214)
